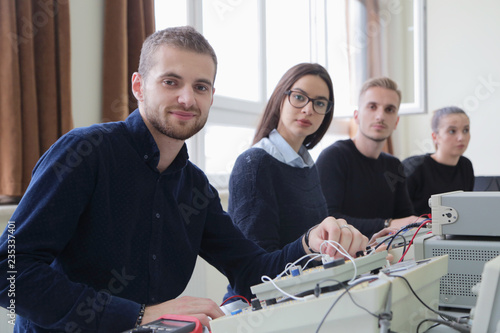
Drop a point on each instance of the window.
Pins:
(261, 39)
(223, 145)
(170, 13)
(233, 32)
(256, 42)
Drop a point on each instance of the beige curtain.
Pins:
(127, 24)
(370, 64)
(35, 86)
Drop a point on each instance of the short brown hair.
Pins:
(440, 113)
(382, 82)
(185, 37)
(271, 116)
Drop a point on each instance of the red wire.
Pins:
(239, 296)
(411, 242)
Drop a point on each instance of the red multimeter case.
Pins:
(172, 323)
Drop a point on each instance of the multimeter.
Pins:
(170, 323)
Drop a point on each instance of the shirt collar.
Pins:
(146, 146)
(277, 147)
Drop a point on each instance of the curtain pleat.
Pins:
(30, 117)
(35, 96)
(10, 103)
(127, 24)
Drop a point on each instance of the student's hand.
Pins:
(382, 233)
(389, 256)
(201, 308)
(339, 231)
(399, 223)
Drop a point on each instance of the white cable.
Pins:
(363, 278)
(287, 267)
(343, 252)
(267, 278)
(317, 255)
(334, 245)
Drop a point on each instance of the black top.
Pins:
(425, 177)
(363, 190)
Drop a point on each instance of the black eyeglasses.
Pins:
(299, 100)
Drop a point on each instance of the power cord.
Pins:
(346, 291)
(458, 324)
(463, 328)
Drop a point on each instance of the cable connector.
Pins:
(385, 316)
(317, 290)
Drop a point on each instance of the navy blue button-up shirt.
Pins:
(100, 231)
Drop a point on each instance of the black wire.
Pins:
(396, 235)
(382, 242)
(456, 326)
(405, 242)
(442, 314)
(392, 237)
(406, 227)
(424, 321)
(432, 326)
(330, 309)
(346, 291)
(360, 306)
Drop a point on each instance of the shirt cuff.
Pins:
(119, 315)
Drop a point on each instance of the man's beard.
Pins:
(177, 132)
(374, 138)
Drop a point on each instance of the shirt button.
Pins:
(157, 215)
(154, 256)
(146, 157)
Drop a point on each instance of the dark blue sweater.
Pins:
(100, 231)
(271, 202)
(363, 190)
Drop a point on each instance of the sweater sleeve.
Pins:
(252, 200)
(42, 229)
(240, 259)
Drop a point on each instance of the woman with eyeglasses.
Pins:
(274, 190)
(446, 169)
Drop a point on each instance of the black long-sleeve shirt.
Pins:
(426, 177)
(362, 190)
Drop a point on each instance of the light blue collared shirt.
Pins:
(278, 148)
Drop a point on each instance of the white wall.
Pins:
(86, 19)
(463, 56)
